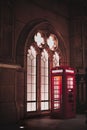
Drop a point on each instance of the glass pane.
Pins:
(44, 106)
(34, 79)
(55, 59)
(46, 63)
(56, 96)
(46, 80)
(42, 96)
(69, 82)
(42, 71)
(42, 88)
(33, 96)
(38, 38)
(34, 62)
(46, 71)
(28, 61)
(56, 105)
(29, 79)
(29, 96)
(33, 88)
(46, 96)
(56, 87)
(42, 80)
(33, 70)
(46, 88)
(31, 106)
(29, 88)
(42, 63)
(29, 70)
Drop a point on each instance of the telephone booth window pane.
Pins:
(31, 79)
(56, 105)
(57, 84)
(70, 82)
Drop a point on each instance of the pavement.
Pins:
(47, 123)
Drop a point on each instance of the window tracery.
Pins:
(44, 43)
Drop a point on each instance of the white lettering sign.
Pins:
(57, 71)
(69, 71)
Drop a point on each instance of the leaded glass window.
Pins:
(44, 81)
(38, 93)
(55, 59)
(31, 79)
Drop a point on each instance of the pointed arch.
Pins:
(25, 39)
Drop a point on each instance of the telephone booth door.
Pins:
(57, 91)
(70, 99)
(56, 94)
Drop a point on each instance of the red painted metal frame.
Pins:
(67, 96)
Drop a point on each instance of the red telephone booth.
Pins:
(63, 92)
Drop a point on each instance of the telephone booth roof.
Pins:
(60, 69)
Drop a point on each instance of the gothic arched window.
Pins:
(44, 81)
(31, 79)
(38, 67)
